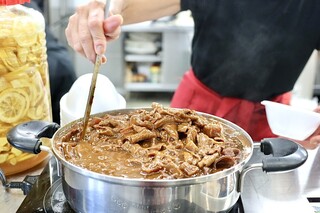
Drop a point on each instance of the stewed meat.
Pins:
(158, 143)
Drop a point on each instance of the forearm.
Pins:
(134, 11)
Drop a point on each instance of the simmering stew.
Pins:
(156, 143)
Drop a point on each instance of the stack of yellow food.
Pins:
(24, 82)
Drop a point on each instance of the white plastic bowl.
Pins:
(291, 122)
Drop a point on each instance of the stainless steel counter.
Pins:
(282, 192)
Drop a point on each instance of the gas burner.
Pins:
(54, 199)
(47, 195)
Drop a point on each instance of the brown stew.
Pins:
(160, 143)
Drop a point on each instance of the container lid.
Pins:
(12, 2)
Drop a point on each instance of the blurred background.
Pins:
(148, 61)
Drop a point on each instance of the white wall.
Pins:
(305, 84)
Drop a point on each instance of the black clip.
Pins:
(25, 185)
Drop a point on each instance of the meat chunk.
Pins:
(183, 127)
(163, 121)
(173, 169)
(212, 130)
(172, 132)
(144, 134)
(224, 162)
(189, 169)
(231, 151)
(204, 140)
(137, 120)
(208, 160)
(192, 134)
(106, 131)
(191, 146)
(158, 147)
(153, 167)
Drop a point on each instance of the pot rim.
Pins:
(246, 140)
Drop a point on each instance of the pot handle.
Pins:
(287, 155)
(26, 136)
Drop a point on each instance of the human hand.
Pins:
(313, 141)
(88, 31)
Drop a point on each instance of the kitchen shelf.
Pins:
(150, 87)
(173, 59)
(142, 58)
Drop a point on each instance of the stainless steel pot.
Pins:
(87, 191)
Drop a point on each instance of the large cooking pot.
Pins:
(87, 191)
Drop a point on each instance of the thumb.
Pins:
(315, 140)
(112, 26)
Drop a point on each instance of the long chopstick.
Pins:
(93, 85)
(91, 96)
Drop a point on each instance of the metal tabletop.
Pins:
(283, 192)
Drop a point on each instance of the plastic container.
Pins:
(24, 78)
(73, 103)
(155, 74)
(291, 122)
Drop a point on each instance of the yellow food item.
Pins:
(24, 78)
(10, 76)
(14, 104)
(4, 127)
(24, 156)
(3, 142)
(11, 155)
(11, 159)
(15, 151)
(5, 148)
(4, 84)
(3, 157)
(38, 112)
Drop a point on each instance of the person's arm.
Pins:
(88, 31)
(134, 11)
(314, 140)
